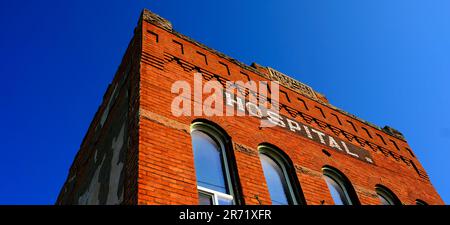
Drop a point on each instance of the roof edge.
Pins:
(165, 24)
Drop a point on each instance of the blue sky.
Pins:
(385, 61)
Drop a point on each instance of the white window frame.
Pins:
(219, 138)
(215, 195)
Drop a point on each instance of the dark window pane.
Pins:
(276, 181)
(208, 162)
(204, 199)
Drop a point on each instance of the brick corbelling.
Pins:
(295, 113)
(161, 126)
(159, 164)
(256, 69)
(156, 86)
(250, 186)
(289, 109)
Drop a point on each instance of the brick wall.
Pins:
(160, 165)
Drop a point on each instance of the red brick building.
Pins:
(137, 152)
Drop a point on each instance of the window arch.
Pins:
(340, 187)
(216, 179)
(386, 196)
(279, 173)
(420, 202)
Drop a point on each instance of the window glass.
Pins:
(386, 196)
(208, 162)
(224, 201)
(385, 200)
(276, 181)
(337, 192)
(205, 199)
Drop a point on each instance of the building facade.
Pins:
(136, 151)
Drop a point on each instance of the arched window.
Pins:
(420, 202)
(279, 175)
(340, 188)
(386, 196)
(211, 165)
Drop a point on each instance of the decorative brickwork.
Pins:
(157, 157)
(291, 83)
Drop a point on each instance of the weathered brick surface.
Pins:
(307, 155)
(161, 166)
